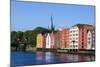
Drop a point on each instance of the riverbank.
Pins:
(72, 51)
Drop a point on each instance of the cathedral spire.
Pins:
(51, 27)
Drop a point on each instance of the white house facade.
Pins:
(48, 41)
(89, 40)
(74, 37)
(93, 39)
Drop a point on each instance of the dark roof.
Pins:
(81, 25)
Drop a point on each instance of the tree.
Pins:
(30, 35)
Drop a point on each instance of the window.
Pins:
(76, 34)
(76, 45)
(82, 43)
(73, 38)
(73, 31)
(76, 38)
(76, 41)
(89, 38)
(82, 46)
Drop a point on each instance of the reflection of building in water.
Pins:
(86, 58)
(72, 57)
(68, 57)
(40, 55)
(82, 58)
(63, 57)
(49, 57)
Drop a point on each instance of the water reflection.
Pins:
(22, 58)
(40, 56)
(49, 57)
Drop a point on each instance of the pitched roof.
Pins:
(82, 25)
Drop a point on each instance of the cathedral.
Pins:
(51, 26)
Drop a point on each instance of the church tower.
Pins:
(51, 26)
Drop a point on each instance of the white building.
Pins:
(89, 40)
(48, 41)
(74, 37)
(93, 39)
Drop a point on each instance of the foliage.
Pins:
(28, 36)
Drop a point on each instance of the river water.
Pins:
(39, 58)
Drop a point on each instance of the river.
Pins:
(39, 58)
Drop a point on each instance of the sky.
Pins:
(29, 15)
